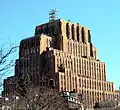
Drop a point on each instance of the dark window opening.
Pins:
(52, 83)
(59, 24)
(91, 51)
(82, 33)
(97, 105)
(47, 48)
(78, 34)
(46, 30)
(67, 30)
(51, 31)
(73, 32)
(61, 68)
(89, 36)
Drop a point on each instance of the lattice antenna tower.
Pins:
(53, 15)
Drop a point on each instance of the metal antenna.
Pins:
(53, 15)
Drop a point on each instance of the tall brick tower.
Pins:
(74, 50)
(63, 51)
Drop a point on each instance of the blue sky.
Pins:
(18, 19)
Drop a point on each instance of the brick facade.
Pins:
(62, 43)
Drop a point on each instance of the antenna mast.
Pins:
(53, 15)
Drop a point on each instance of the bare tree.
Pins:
(37, 98)
(6, 63)
(44, 99)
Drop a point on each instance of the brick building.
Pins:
(64, 52)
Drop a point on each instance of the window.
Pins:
(46, 29)
(67, 30)
(52, 82)
(52, 31)
(68, 64)
(73, 32)
(78, 34)
(89, 36)
(90, 84)
(79, 82)
(61, 68)
(71, 65)
(82, 33)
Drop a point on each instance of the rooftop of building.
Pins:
(118, 91)
(62, 20)
(33, 37)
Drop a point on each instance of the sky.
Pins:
(18, 19)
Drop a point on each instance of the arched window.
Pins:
(52, 83)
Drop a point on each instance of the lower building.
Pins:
(73, 99)
(111, 104)
(117, 94)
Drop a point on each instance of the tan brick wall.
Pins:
(83, 74)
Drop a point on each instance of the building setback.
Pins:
(63, 51)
